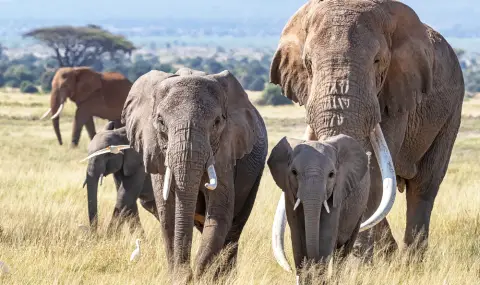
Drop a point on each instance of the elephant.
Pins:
(204, 141)
(110, 153)
(95, 94)
(326, 187)
(373, 71)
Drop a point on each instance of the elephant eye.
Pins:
(217, 121)
(331, 174)
(294, 172)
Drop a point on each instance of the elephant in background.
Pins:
(326, 186)
(110, 153)
(95, 94)
(373, 71)
(204, 141)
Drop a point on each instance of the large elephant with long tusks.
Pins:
(110, 153)
(206, 146)
(373, 71)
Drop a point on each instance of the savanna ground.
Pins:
(42, 204)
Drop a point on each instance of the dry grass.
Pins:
(42, 204)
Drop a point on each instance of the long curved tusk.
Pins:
(278, 230)
(296, 204)
(115, 149)
(167, 181)
(58, 112)
(387, 169)
(212, 175)
(46, 114)
(325, 204)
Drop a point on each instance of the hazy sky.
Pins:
(434, 12)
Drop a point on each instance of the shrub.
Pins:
(257, 85)
(46, 81)
(272, 95)
(18, 73)
(28, 87)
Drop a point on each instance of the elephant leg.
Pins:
(423, 188)
(90, 126)
(218, 222)
(80, 119)
(151, 207)
(239, 222)
(166, 213)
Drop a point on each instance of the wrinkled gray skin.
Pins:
(131, 181)
(188, 121)
(354, 64)
(335, 171)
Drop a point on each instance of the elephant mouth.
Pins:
(387, 169)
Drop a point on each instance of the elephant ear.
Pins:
(409, 75)
(244, 124)
(279, 160)
(185, 71)
(87, 82)
(137, 115)
(287, 68)
(352, 165)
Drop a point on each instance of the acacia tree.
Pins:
(81, 46)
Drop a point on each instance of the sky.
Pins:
(437, 13)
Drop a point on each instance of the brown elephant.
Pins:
(95, 94)
(373, 71)
(204, 141)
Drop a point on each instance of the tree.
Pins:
(28, 87)
(272, 95)
(257, 85)
(81, 46)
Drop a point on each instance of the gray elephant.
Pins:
(326, 185)
(110, 153)
(203, 140)
(373, 71)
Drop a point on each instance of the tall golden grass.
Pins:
(42, 204)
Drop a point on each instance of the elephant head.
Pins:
(316, 178)
(108, 153)
(350, 63)
(76, 83)
(188, 126)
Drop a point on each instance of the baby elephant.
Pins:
(110, 153)
(326, 188)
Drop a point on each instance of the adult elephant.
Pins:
(95, 94)
(372, 70)
(110, 153)
(203, 140)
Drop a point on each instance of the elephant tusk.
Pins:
(46, 114)
(325, 204)
(101, 179)
(58, 112)
(166, 183)
(84, 183)
(387, 169)
(212, 175)
(296, 204)
(278, 231)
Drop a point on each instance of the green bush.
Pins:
(28, 87)
(272, 95)
(18, 73)
(257, 85)
(46, 81)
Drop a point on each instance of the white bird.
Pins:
(115, 149)
(136, 253)
(4, 268)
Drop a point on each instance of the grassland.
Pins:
(42, 204)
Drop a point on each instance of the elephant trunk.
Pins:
(92, 191)
(56, 104)
(187, 154)
(312, 201)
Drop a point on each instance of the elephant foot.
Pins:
(74, 145)
(182, 275)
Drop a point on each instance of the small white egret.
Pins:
(4, 268)
(136, 253)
